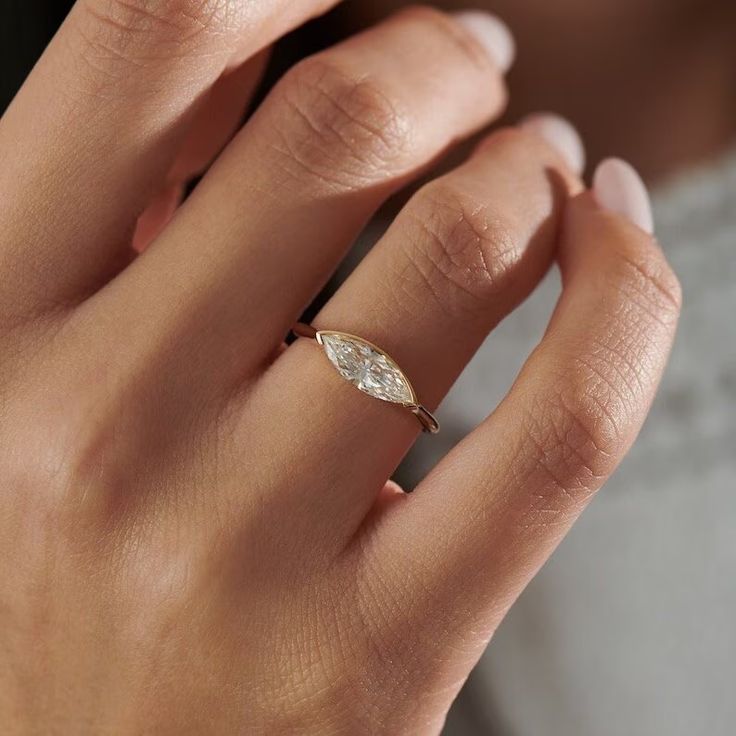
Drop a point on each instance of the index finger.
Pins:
(94, 130)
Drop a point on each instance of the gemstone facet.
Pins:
(367, 368)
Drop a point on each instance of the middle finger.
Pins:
(268, 224)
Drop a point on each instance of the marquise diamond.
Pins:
(366, 368)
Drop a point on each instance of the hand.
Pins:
(197, 534)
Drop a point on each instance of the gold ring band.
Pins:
(369, 369)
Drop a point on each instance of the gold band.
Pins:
(369, 369)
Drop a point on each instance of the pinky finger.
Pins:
(459, 551)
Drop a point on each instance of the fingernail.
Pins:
(561, 135)
(618, 187)
(492, 33)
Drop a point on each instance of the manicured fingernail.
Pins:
(561, 135)
(618, 187)
(492, 33)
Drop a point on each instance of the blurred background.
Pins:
(629, 629)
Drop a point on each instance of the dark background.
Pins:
(26, 27)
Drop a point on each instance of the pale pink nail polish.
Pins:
(561, 135)
(492, 33)
(618, 187)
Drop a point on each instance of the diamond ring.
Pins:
(369, 369)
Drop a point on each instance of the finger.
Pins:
(502, 500)
(92, 134)
(278, 210)
(214, 124)
(220, 117)
(465, 250)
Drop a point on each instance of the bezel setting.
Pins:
(370, 369)
(367, 367)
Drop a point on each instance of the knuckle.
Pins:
(459, 248)
(343, 129)
(589, 416)
(646, 280)
(63, 449)
(66, 462)
(577, 434)
(135, 31)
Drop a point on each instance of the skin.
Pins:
(197, 534)
(622, 70)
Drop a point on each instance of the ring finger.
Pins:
(464, 251)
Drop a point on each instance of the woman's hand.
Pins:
(197, 534)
